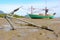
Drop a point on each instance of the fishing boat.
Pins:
(34, 16)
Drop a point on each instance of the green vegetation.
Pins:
(18, 16)
(2, 15)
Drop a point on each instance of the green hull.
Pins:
(33, 16)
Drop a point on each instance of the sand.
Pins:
(24, 32)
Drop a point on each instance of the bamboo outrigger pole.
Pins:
(7, 17)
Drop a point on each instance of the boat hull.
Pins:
(33, 16)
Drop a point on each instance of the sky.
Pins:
(9, 5)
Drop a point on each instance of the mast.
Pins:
(31, 9)
(46, 10)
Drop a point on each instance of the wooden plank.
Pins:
(35, 25)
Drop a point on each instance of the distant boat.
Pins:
(34, 16)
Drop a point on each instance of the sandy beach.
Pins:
(24, 32)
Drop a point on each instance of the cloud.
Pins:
(23, 11)
(8, 8)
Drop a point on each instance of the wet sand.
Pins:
(24, 32)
